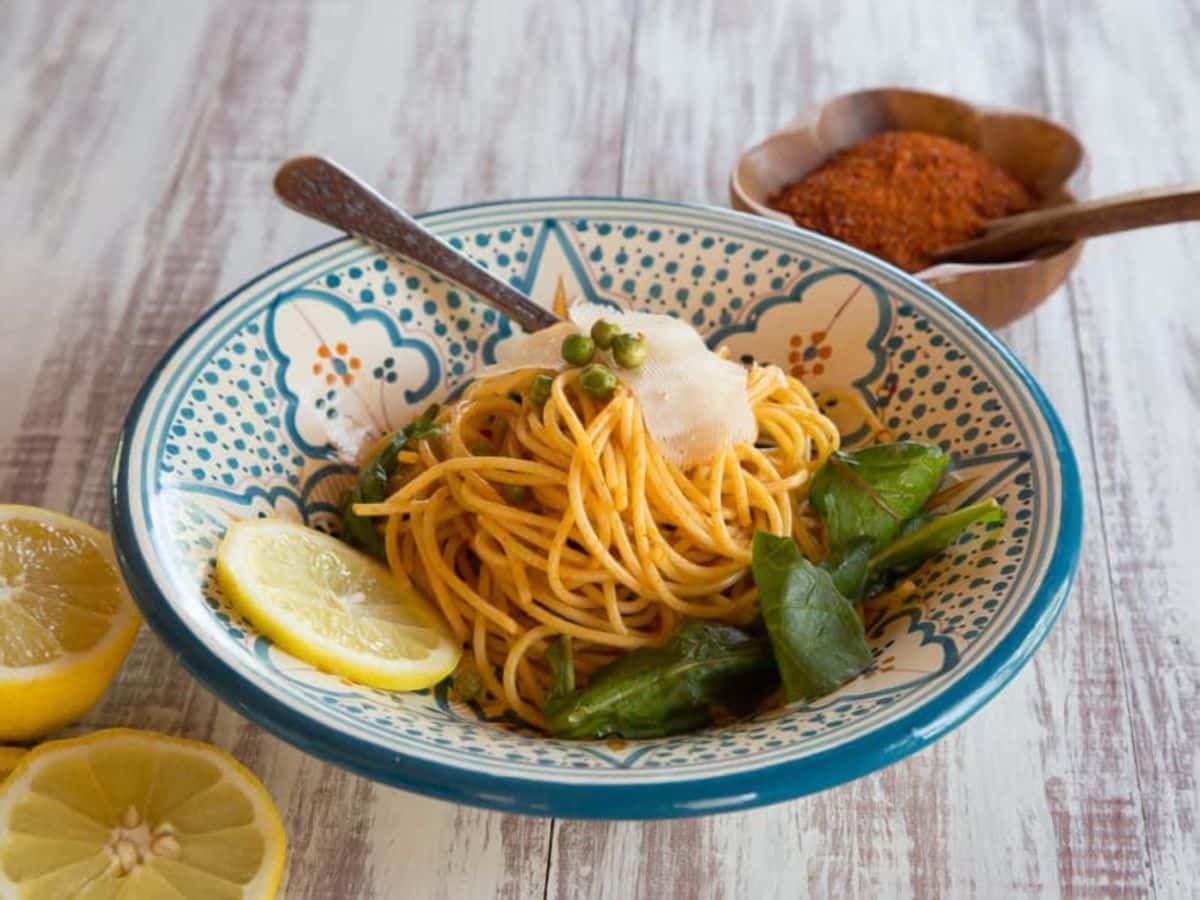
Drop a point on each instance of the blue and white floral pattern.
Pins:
(250, 413)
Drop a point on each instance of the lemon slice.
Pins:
(125, 813)
(66, 620)
(9, 757)
(333, 607)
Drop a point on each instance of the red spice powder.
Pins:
(902, 195)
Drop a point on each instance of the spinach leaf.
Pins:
(656, 691)
(561, 658)
(869, 494)
(870, 501)
(372, 484)
(850, 573)
(862, 572)
(928, 536)
(817, 636)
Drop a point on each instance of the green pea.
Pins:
(599, 381)
(629, 351)
(539, 389)
(516, 494)
(603, 333)
(483, 448)
(578, 349)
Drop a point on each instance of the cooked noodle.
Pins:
(609, 542)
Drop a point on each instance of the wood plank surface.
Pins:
(1138, 329)
(138, 143)
(1038, 794)
(136, 147)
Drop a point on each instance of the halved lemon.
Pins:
(66, 620)
(123, 813)
(9, 757)
(333, 607)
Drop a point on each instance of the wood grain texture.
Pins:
(1042, 793)
(137, 143)
(1139, 336)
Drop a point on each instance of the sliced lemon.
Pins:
(9, 757)
(333, 607)
(123, 813)
(66, 620)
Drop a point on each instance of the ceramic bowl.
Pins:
(1041, 153)
(236, 421)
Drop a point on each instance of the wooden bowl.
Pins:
(1038, 152)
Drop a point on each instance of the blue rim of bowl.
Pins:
(666, 799)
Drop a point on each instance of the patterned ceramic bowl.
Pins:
(237, 421)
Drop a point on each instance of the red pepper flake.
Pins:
(902, 195)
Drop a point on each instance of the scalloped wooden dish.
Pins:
(1037, 151)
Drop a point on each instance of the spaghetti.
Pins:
(526, 522)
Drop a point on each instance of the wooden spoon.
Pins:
(1019, 237)
(321, 189)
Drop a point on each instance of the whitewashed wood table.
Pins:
(137, 142)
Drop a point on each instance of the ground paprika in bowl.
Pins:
(901, 173)
(903, 195)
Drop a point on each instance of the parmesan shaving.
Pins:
(695, 403)
(348, 438)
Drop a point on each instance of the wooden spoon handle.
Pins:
(323, 190)
(1015, 237)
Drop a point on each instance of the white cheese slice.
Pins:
(695, 404)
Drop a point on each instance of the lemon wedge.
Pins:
(66, 620)
(333, 607)
(123, 813)
(9, 757)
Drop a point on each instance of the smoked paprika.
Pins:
(902, 195)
